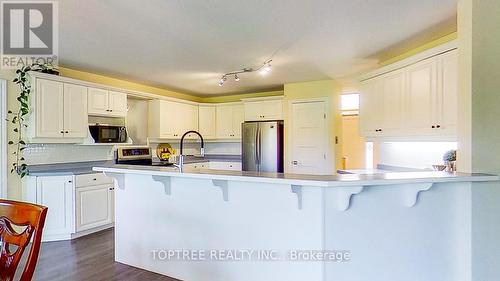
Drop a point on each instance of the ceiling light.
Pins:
(262, 69)
(267, 68)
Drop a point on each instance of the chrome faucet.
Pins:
(181, 155)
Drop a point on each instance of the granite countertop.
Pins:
(79, 168)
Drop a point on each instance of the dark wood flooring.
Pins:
(88, 258)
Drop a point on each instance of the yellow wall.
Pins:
(320, 89)
(397, 57)
(114, 82)
(353, 145)
(13, 182)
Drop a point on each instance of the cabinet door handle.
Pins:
(111, 110)
(70, 181)
(67, 132)
(62, 132)
(111, 188)
(438, 126)
(433, 126)
(94, 179)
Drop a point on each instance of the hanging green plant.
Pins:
(18, 118)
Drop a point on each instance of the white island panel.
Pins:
(195, 217)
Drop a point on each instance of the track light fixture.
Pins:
(263, 69)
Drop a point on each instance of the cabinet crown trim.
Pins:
(263, 98)
(446, 47)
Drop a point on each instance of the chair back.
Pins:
(30, 218)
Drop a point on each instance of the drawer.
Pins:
(92, 179)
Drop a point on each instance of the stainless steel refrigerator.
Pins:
(262, 146)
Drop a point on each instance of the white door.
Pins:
(224, 121)
(75, 111)
(370, 113)
(98, 101)
(206, 123)
(447, 110)
(49, 109)
(392, 102)
(421, 97)
(117, 104)
(309, 138)
(238, 118)
(57, 193)
(94, 206)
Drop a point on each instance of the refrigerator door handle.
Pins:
(257, 148)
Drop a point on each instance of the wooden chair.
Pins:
(29, 217)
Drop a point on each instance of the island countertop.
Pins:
(298, 179)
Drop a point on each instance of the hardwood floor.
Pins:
(89, 258)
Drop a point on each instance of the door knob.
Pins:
(295, 162)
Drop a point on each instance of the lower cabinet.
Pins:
(94, 206)
(230, 166)
(221, 165)
(78, 205)
(57, 193)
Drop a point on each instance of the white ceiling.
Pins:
(186, 45)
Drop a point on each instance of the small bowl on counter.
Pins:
(439, 167)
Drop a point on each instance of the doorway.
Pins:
(309, 134)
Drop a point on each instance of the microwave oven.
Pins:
(108, 134)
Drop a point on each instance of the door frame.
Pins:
(329, 143)
(3, 138)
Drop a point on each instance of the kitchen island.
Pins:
(244, 226)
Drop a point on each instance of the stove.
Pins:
(138, 156)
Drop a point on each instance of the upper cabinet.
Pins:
(170, 120)
(206, 121)
(59, 112)
(264, 110)
(106, 103)
(228, 121)
(416, 100)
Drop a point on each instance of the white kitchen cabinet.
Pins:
(117, 104)
(60, 112)
(416, 100)
(98, 101)
(94, 206)
(75, 111)
(170, 120)
(206, 121)
(370, 115)
(391, 103)
(447, 94)
(229, 118)
(56, 193)
(222, 165)
(421, 97)
(106, 103)
(49, 109)
(264, 110)
(202, 165)
(78, 205)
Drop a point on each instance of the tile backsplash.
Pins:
(36, 154)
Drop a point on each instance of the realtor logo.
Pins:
(29, 33)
